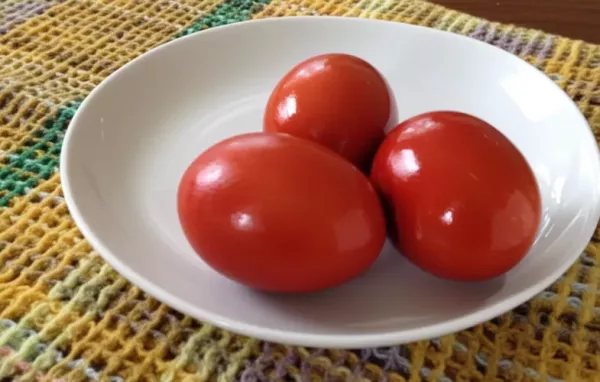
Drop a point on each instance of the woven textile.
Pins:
(67, 316)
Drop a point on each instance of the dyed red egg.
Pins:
(337, 100)
(462, 201)
(279, 213)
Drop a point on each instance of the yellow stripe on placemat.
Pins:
(62, 54)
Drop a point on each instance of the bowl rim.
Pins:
(290, 337)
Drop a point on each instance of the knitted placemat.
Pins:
(65, 315)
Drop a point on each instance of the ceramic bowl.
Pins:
(135, 134)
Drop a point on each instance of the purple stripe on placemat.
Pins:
(516, 44)
(394, 359)
(22, 11)
(479, 31)
(271, 365)
(254, 370)
(546, 49)
(532, 44)
(504, 40)
(485, 32)
(268, 367)
(490, 35)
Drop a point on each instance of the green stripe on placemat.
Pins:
(229, 12)
(37, 159)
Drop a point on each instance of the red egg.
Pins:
(279, 213)
(463, 203)
(337, 100)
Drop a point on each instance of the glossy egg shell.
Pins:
(462, 201)
(279, 213)
(337, 100)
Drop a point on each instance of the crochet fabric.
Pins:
(65, 315)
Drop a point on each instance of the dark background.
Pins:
(577, 19)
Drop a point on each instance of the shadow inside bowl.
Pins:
(393, 292)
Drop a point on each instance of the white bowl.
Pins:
(133, 137)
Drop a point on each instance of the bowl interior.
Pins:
(136, 133)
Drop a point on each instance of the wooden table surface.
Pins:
(578, 19)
